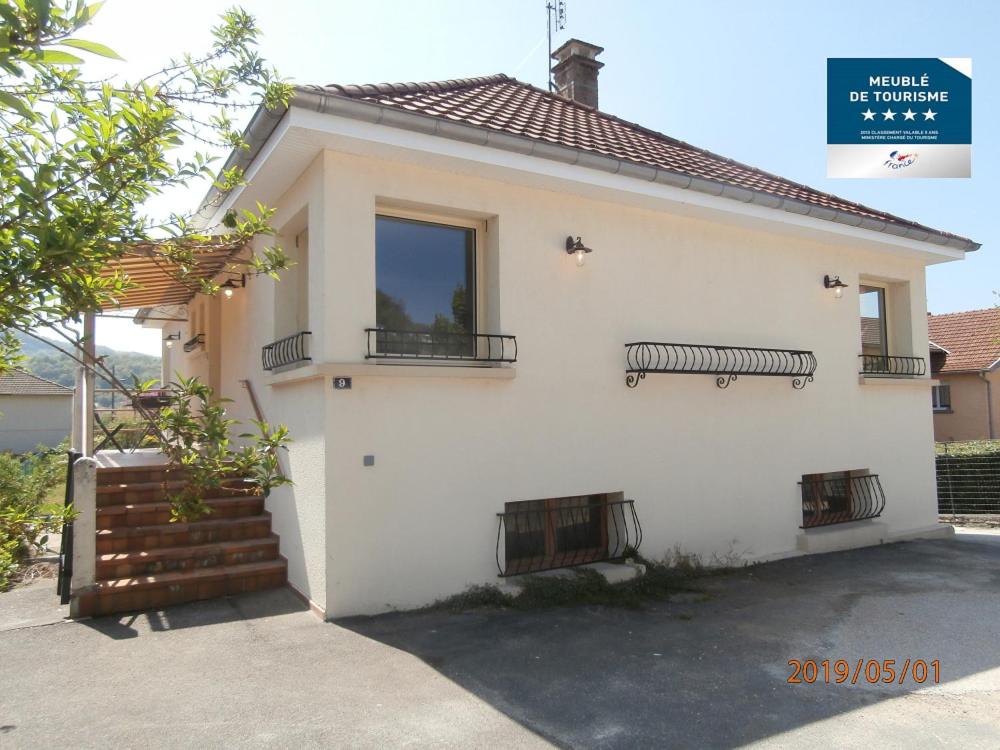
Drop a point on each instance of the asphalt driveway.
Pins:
(701, 670)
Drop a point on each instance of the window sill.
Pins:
(470, 371)
(943, 411)
(920, 381)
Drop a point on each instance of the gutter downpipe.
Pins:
(989, 402)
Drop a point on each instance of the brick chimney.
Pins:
(576, 71)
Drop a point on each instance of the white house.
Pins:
(483, 269)
(33, 411)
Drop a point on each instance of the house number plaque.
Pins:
(342, 384)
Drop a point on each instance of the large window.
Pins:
(874, 332)
(941, 397)
(425, 276)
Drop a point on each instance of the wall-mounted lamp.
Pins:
(834, 283)
(171, 338)
(230, 285)
(577, 248)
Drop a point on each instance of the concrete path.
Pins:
(703, 670)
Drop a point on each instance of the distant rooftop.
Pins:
(971, 339)
(21, 383)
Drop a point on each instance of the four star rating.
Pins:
(909, 114)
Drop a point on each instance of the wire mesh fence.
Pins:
(968, 478)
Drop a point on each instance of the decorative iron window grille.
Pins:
(878, 365)
(840, 497)
(440, 345)
(194, 342)
(725, 362)
(536, 535)
(286, 351)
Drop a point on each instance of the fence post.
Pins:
(84, 531)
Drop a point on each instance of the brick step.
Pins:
(157, 536)
(151, 492)
(173, 559)
(164, 589)
(151, 514)
(128, 474)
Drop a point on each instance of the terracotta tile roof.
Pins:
(972, 338)
(504, 104)
(21, 383)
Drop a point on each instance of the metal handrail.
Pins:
(566, 535)
(286, 351)
(841, 500)
(726, 362)
(194, 342)
(385, 343)
(879, 365)
(64, 579)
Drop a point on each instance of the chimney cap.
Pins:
(578, 48)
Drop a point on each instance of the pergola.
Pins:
(157, 280)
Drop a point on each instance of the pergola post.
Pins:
(89, 379)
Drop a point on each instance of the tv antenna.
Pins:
(555, 12)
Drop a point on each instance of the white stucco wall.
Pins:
(27, 421)
(713, 472)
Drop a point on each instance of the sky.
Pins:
(746, 80)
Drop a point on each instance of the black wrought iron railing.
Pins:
(545, 536)
(725, 362)
(440, 345)
(64, 579)
(878, 365)
(841, 500)
(286, 351)
(194, 342)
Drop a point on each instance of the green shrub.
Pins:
(26, 515)
(197, 440)
(675, 574)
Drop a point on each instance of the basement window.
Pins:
(556, 532)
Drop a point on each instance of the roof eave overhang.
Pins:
(264, 123)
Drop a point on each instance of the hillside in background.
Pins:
(46, 362)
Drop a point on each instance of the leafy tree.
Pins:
(80, 158)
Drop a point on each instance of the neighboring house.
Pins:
(457, 386)
(965, 352)
(33, 411)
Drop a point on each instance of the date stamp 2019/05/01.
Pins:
(870, 671)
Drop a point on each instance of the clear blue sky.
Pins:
(744, 79)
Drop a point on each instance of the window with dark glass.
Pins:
(941, 397)
(425, 284)
(874, 334)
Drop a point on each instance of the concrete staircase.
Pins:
(146, 562)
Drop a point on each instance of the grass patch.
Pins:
(675, 574)
(968, 448)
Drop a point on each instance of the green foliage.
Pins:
(583, 586)
(79, 158)
(26, 517)
(42, 360)
(968, 448)
(197, 441)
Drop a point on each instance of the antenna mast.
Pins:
(555, 14)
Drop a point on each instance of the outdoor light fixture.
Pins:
(577, 248)
(230, 285)
(171, 338)
(834, 283)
